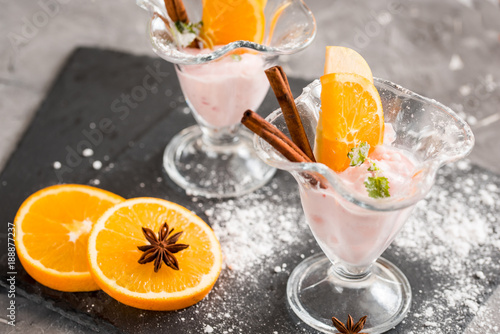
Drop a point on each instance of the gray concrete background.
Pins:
(448, 50)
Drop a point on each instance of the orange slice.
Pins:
(113, 256)
(344, 60)
(226, 21)
(351, 114)
(52, 228)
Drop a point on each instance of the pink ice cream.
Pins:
(346, 231)
(222, 90)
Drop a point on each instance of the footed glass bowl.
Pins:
(352, 229)
(216, 158)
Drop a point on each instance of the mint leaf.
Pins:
(358, 154)
(192, 28)
(186, 33)
(373, 166)
(236, 57)
(377, 187)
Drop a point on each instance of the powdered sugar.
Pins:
(248, 233)
(456, 233)
(453, 230)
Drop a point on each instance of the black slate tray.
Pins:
(89, 97)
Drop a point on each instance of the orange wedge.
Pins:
(113, 255)
(344, 60)
(351, 114)
(226, 21)
(52, 228)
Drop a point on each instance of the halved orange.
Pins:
(51, 232)
(351, 113)
(339, 59)
(113, 255)
(226, 21)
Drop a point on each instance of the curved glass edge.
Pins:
(167, 49)
(334, 180)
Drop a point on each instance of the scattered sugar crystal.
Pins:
(456, 63)
(472, 305)
(208, 329)
(88, 152)
(142, 184)
(471, 120)
(57, 165)
(429, 312)
(384, 18)
(465, 90)
(95, 182)
(479, 275)
(97, 165)
(463, 164)
(159, 179)
(486, 197)
(277, 269)
(491, 187)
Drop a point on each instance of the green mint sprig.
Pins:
(377, 186)
(373, 166)
(236, 58)
(186, 33)
(191, 28)
(358, 154)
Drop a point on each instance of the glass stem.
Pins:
(352, 273)
(220, 136)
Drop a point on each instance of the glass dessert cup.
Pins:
(352, 229)
(216, 157)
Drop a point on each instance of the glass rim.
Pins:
(174, 55)
(429, 168)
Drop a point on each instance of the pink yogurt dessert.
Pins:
(222, 90)
(352, 234)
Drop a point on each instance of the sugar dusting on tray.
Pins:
(250, 233)
(455, 232)
(451, 231)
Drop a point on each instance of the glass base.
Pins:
(215, 171)
(316, 294)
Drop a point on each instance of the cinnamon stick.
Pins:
(177, 12)
(273, 136)
(280, 142)
(279, 83)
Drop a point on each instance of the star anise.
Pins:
(349, 327)
(161, 248)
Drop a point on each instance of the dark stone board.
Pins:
(86, 107)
